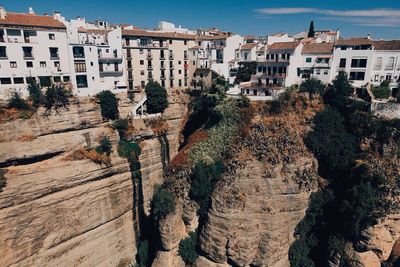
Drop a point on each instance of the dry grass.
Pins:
(82, 153)
(158, 125)
(26, 138)
(182, 158)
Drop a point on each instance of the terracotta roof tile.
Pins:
(354, 41)
(387, 45)
(247, 46)
(317, 48)
(171, 35)
(98, 31)
(283, 46)
(31, 20)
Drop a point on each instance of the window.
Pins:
(359, 63)
(376, 78)
(81, 81)
(141, 62)
(29, 64)
(318, 72)
(27, 52)
(185, 42)
(180, 71)
(378, 63)
(80, 66)
(388, 77)
(11, 32)
(170, 41)
(142, 72)
(342, 63)
(180, 83)
(57, 79)
(52, 36)
(107, 50)
(1, 35)
(78, 52)
(3, 53)
(66, 79)
(13, 64)
(129, 64)
(18, 80)
(308, 59)
(142, 84)
(53, 52)
(45, 81)
(5, 80)
(325, 72)
(179, 62)
(91, 64)
(116, 67)
(193, 62)
(390, 64)
(43, 64)
(130, 85)
(56, 64)
(357, 75)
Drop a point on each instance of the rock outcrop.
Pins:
(57, 210)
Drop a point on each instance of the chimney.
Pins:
(3, 13)
(369, 37)
(56, 15)
(30, 10)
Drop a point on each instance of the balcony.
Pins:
(149, 67)
(54, 57)
(110, 73)
(79, 55)
(162, 77)
(106, 58)
(162, 67)
(149, 56)
(277, 60)
(389, 67)
(27, 56)
(164, 45)
(171, 57)
(274, 75)
(171, 76)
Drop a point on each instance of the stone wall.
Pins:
(388, 110)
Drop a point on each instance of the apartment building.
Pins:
(156, 56)
(32, 46)
(316, 62)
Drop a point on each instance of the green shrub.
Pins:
(381, 92)
(245, 70)
(121, 125)
(163, 203)
(35, 93)
(108, 105)
(275, 107)
(338, 93)
(104, 146)
(2, 179)
(142, 256)
(16, 101)
(187, 248)
(157, 100)
(56, 96)
(130, 151)
(329, 141)
(312, 86)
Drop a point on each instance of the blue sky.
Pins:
(353, 17)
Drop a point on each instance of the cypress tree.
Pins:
(311, 31)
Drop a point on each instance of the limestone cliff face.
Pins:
(261, 199)
(55, 210)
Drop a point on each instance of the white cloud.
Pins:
(382, 17)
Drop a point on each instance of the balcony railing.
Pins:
(79, 55)
(162, 77)
(149, 45)
(109, 57)
(149, 67)
(277, 60)
(27, 56)
(389, 67)
(54, 56)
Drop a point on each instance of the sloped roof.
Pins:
(354, 41)
(98, 31)
(317, 48)
(247, 46)
(31, 20)
(283, 46)
(387, 45)
(170, 35)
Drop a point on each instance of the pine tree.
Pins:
(311, 31)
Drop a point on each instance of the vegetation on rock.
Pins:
(104, 146)
(245, 70)
(108, 105)
(142, 256)
(163, 203)
(56, 96)
(382, 91)
(35, 93)
(312, 86)
(157, 99)
(187, 248)
(2, 179)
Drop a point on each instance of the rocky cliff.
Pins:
(59, 210)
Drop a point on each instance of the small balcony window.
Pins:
(53, 53)
(3, 53)
(27, 52)
(80, 66)
(78, 52)
(81, 81)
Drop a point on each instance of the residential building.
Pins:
(316, 62)
(32, 46)
(157, 56)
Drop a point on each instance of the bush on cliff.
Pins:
(35, 93)
(104, 146)
(312, 86)
(163, 203)
(157, 100)
(382, 91)
(16, 101)
(108, 105)
(187, 248)
(56, 96)
(142, 256)
(2, 179)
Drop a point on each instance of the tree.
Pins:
(337, 94)
(187, 248)
(312, 86)
(16, 101)
(245, 70)
(35, 93)
(108, 105)
(163, 203)
(104, 146)
(311, 31)
(56, 96)
(157, 100)
(382, 91)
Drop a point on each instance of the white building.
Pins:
(32, 46)
(316, 62)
